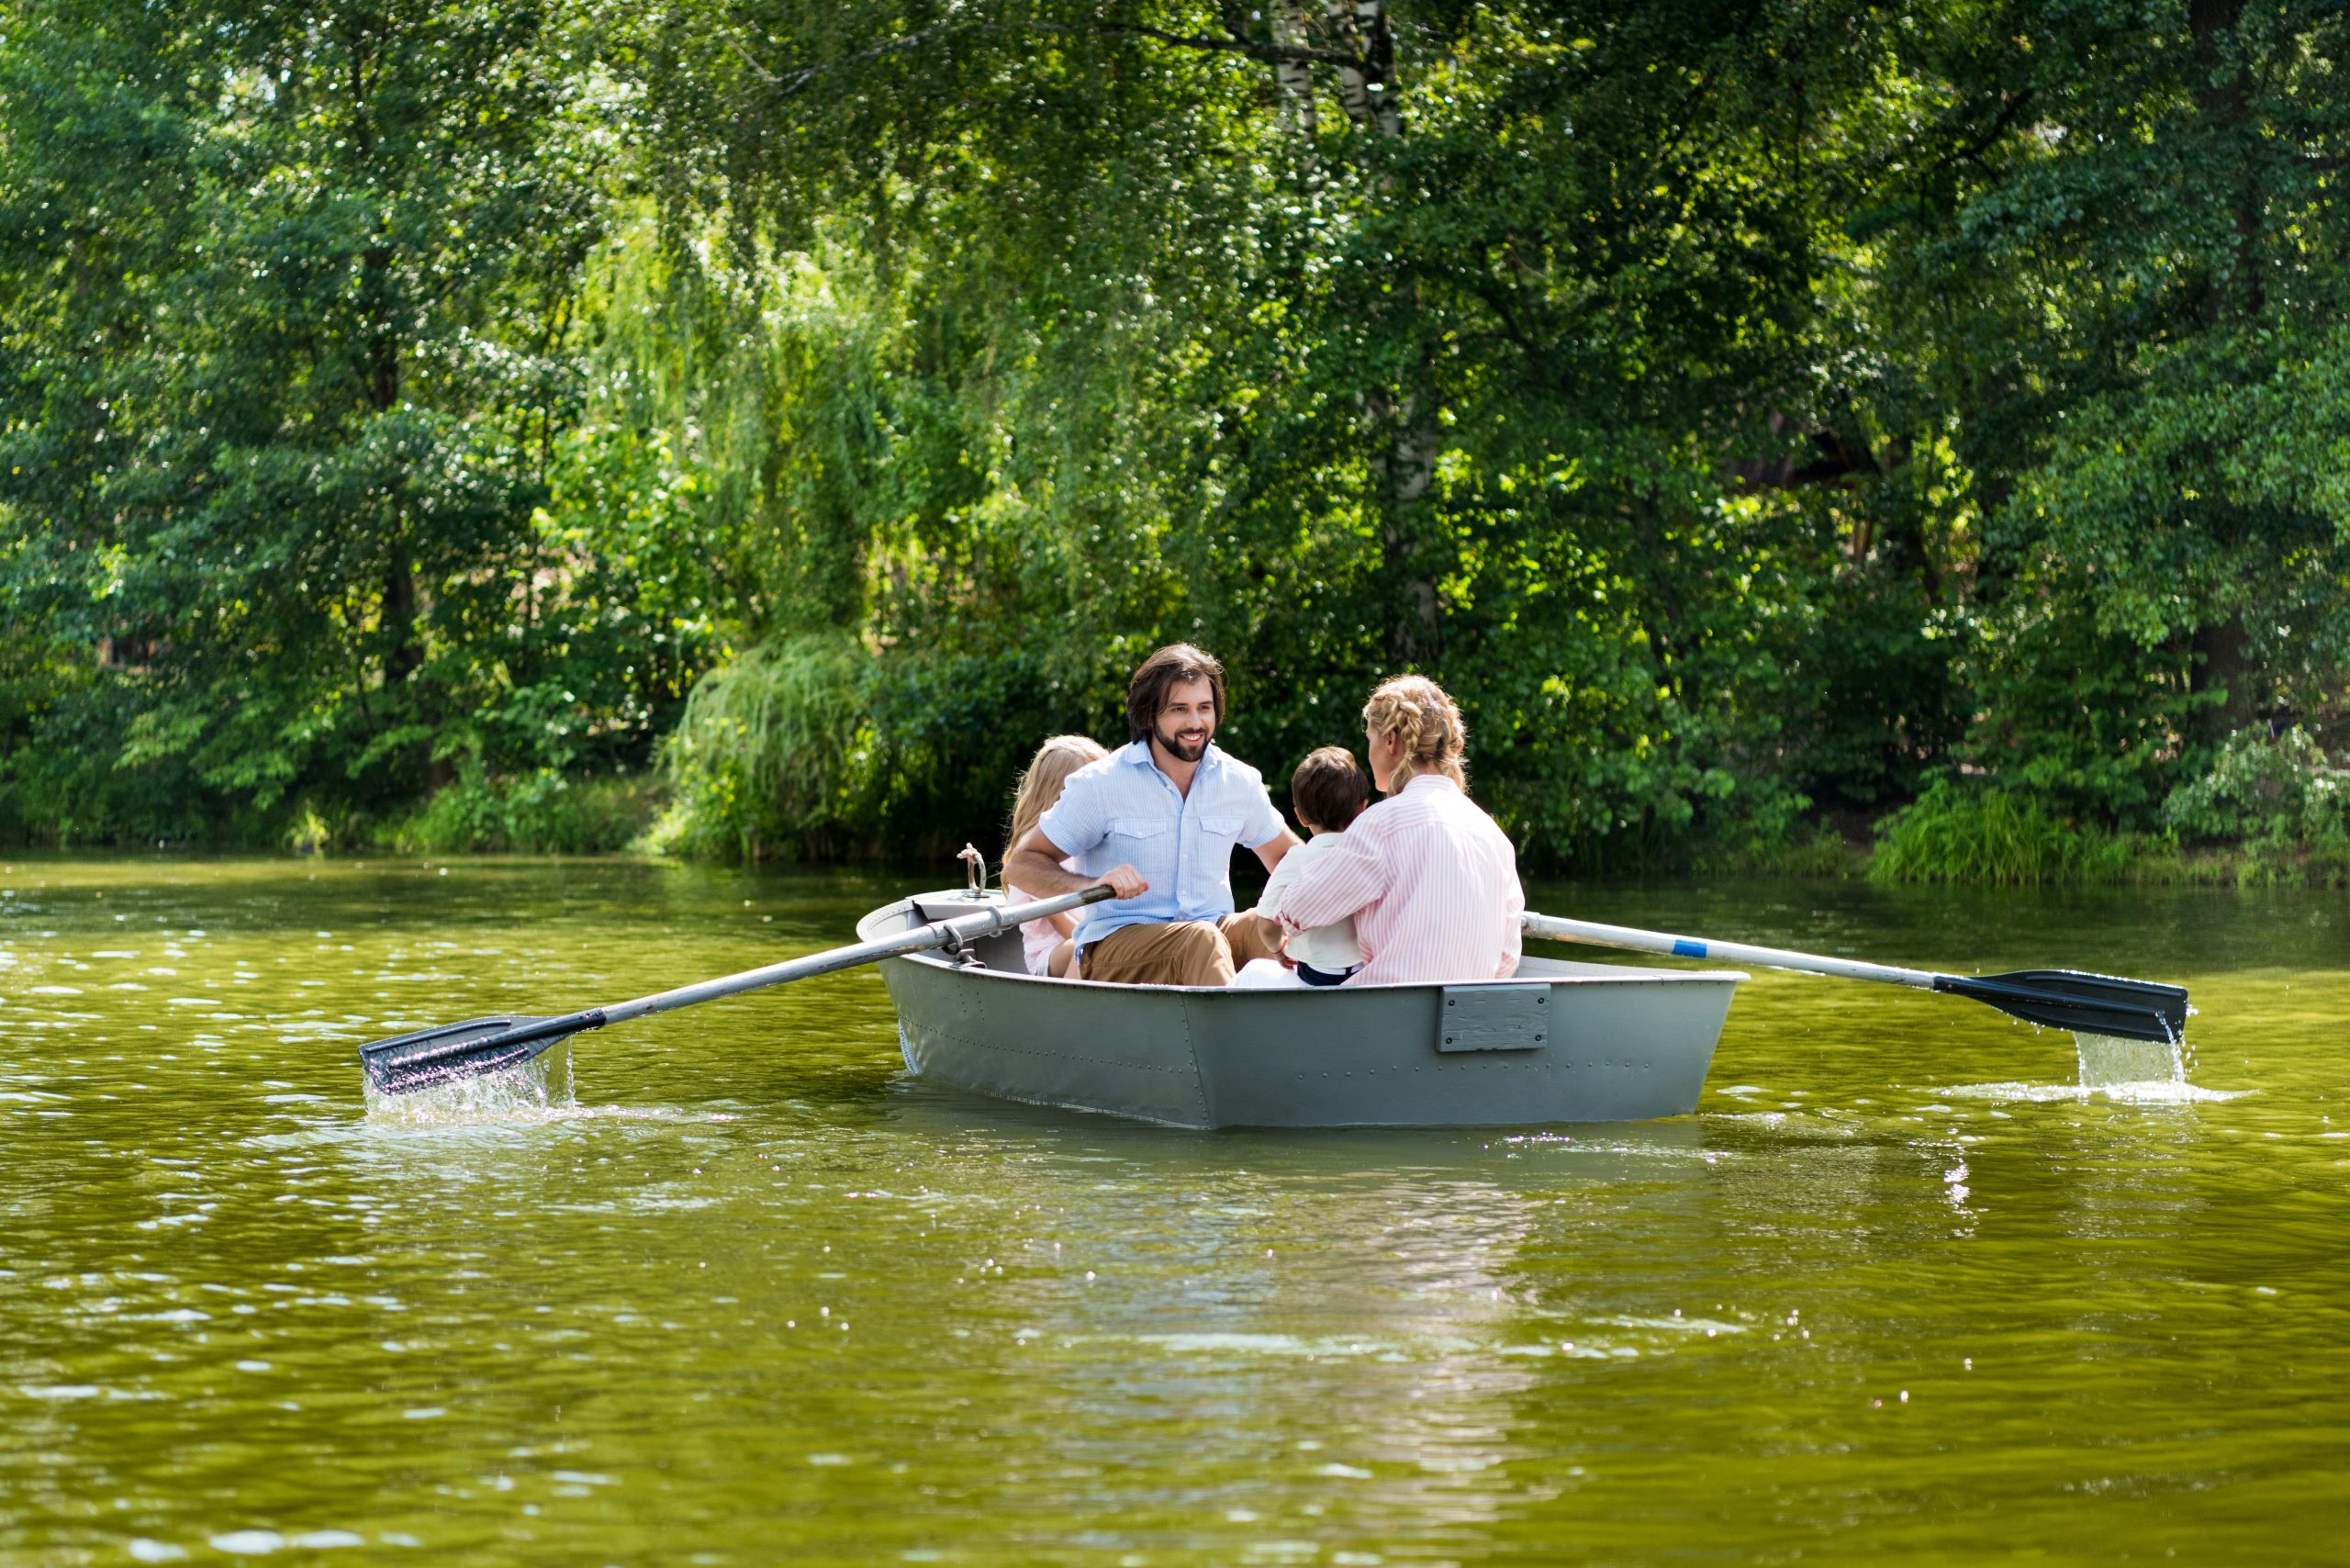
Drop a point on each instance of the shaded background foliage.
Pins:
(1757, 416)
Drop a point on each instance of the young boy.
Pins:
(1328, 791)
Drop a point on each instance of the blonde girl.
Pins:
(1048, 942)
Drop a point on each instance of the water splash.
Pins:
(2107, 1060)
(542, 1088)
(2140, 1069)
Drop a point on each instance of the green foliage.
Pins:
(773, 751)
(289, 301)
(1960, 832)
(2102, 742)
(2276, 794)
(2114, 279)
(1088, 346)
(541, 813)
(1822, 853)
(1748, 414)
(62, 723)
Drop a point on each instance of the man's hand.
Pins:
(1125, 882)
(1035, 867)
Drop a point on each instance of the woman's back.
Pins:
(1432, 884)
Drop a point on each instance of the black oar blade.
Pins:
(2094, 1005)
(405, 1063)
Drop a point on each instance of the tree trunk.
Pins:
(1367, 91)
(2223, 97)
(1293, 79)
(1407, 466)
(404, 655)
(2225, 665)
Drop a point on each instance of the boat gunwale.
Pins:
(1617, 975)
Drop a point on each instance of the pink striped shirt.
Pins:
(1431, 882)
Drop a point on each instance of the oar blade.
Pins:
(404, 1063)
(2068, 999)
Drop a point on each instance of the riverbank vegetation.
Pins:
(746, 429)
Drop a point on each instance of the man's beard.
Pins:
(1192, 753)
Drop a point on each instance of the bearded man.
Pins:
(1158, 820)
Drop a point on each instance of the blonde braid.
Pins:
(1415, 710)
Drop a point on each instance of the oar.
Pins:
(2062, 999)
(407, 1062)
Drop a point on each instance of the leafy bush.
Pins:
(65, 725)
(2272, 793)
(813, 745)
(1822, 855)
(536, 813)
(2090, 724)
(775, 749)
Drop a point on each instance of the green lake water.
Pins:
(744, 1292)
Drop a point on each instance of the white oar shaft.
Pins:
(1552, 928)
(937, 934)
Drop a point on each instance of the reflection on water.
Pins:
(728, 1286)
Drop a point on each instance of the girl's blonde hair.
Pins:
(1416, 711)
(1040, 786)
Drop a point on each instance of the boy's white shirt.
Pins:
(1327, 947)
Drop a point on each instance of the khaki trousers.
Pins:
(1189, 952)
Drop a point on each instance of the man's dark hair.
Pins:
(1146, 693)
(1329, 789)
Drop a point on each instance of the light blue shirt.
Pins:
(1124, 811)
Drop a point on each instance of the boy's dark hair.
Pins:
(1329, 789)
(1146, 693)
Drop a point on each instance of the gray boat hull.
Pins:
(1560, 1042)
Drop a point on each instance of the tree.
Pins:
(288, 295)
(2112, 255)
(1342, 338)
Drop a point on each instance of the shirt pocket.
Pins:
(1134, 836)
(1211, 867)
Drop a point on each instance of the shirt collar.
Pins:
(1136, 754)
(1437, 779)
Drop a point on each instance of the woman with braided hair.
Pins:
(1429, 880)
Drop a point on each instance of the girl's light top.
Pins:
(1037, 937)
(1331, 947)
(1431, 882)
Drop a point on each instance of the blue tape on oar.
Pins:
(1684, 948)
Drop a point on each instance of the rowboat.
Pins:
(1557, 1042)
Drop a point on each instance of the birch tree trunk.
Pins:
(1294, 78)
(1366, 91)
